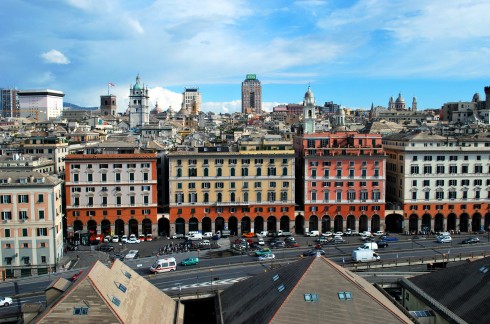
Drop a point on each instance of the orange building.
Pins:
(112, 193)
(340, 178)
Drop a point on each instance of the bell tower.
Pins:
(139, 113)
(309, 114)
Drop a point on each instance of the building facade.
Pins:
(112, 194)
(31, 230)
(251, 95)
(341, 181)
(9, 103)
(139, 113)
(439, 183)
(108, 105)
(248, 189)
(192, 100)
(40, 104)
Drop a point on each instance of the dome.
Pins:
(137, 85)
(400, 99)
(309, 93)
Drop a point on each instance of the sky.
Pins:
(353, 53)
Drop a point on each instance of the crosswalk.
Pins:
(215, 283)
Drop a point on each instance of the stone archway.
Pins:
(206, 225)
(245, 224)
(338, 223)
(180, 226)
(299, 225)
(133, 226)
(426, 224)
(164, 227)
(105, 227)
(326, 224)
(146, 227)
(233, 225)
(284, 223)
(313, 223)
(219, 224)
(77, 226)
(363, 223)
(351, 222)
(119, 227)
(487, 222)
(394, 223)
(476, 224)
(193, 224)
(258, 224)
(375, 223)
(451, 222)
(464, 222)
(271, 224)
(439, 223)
(413, 224)
(92, 226)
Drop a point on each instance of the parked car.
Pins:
(216, 237)
(338, 234)
(379, 233)
(115, 239)
(471, 240)
(76, 275)
(117, 256)
(189, 261)
(263, 234)
(249, 234)
(149, 237)
(105, 248)
(107, 239)
(261, 241)
(132, 240)
(313, 252)
(278, 244)
(124, 238)
(292, 244)
(337, 240)
(266, 257)
(207, 235)
(327, 234)
(142, 237)
(5, 301)
(178, 236)
(382, 243)
(322, 240)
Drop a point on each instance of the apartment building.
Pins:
(244, 188)
(440, 183)
(112, 194)
(31, 232)
(40, 104)
(340, 181)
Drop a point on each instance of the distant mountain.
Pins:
(77, 107)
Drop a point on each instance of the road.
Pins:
(221, 272)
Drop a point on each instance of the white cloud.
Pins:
(56, 57)
(165, 98)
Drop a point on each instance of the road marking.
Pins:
(207, 284)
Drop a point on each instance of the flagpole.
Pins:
(107, 88)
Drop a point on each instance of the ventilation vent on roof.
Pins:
(127, 274)
(281, 288)
(122, 287)
(80, 310)
(484, 269)
(275, 277)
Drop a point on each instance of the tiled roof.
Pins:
(110, 156)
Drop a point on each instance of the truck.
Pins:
(224, 233)
(283, 233)
(364, 255)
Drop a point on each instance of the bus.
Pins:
(164, 265)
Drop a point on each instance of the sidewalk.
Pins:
(82, 259)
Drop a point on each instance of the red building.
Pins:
(341, 181)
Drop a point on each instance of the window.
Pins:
(40, 214)
(6, 215)
(131, 165)
(452, 182)
(42, 231)
(344, 295)
(103, 177)
(22, 198)
(5, 199)
(7, 234)
(23, 215)
(311, 297)
(439, 183)
(146, 165)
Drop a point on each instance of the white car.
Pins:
(379, 233)
(124, 238)
(115, 239)
(327, 234)
(444, 239)
(338, 234)
(207, 235)
(261, 241)
(266, 257)
(132, 240)
(5, 301)
(107, 239)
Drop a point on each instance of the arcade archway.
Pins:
(180, 226)
(394, 223)
(119, 227)
(476, 224)
(375, 223)
(193, 224)
(133, 227)
(219, 224)
(258, 224)
(451, 222)
(245, 224)
(92, 226)
(413, 224)
(426, 224)
(313, 223)
(439, 223)
(146, 227)
(351, 222)
(164, 227)
(363, 223)
(206, 225)
(299, 225)
(464, 222)
(233, 225)
(105, 227)
(271, 224)
(338, 224)
(284, 223)
(326, 224)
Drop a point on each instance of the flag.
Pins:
(111, 84)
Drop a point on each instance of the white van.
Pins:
(313, 233)
(369, 246)
(364, 255)
(195, 237)
(132, 254)
(163, 265)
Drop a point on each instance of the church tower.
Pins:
(414, 104)
(139, 113)
(391, 104)
(309, 114)
(108, 105)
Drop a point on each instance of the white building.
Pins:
(41, 104)
(192, 100)
(139, 113)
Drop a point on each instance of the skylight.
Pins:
(80, 310)
(116, 301)
(122, 288)
(344, 295)
(127, 274)
(484, 269)
(275, 278)
(281, 288)
(311, 297)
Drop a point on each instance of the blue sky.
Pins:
(351, 52)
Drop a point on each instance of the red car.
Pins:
(249, 234)
(76, 275)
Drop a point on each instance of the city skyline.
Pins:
(353, 53)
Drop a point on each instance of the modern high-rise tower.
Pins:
(42, 104)
(191, 100)
(139, 113)
(251, 95)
